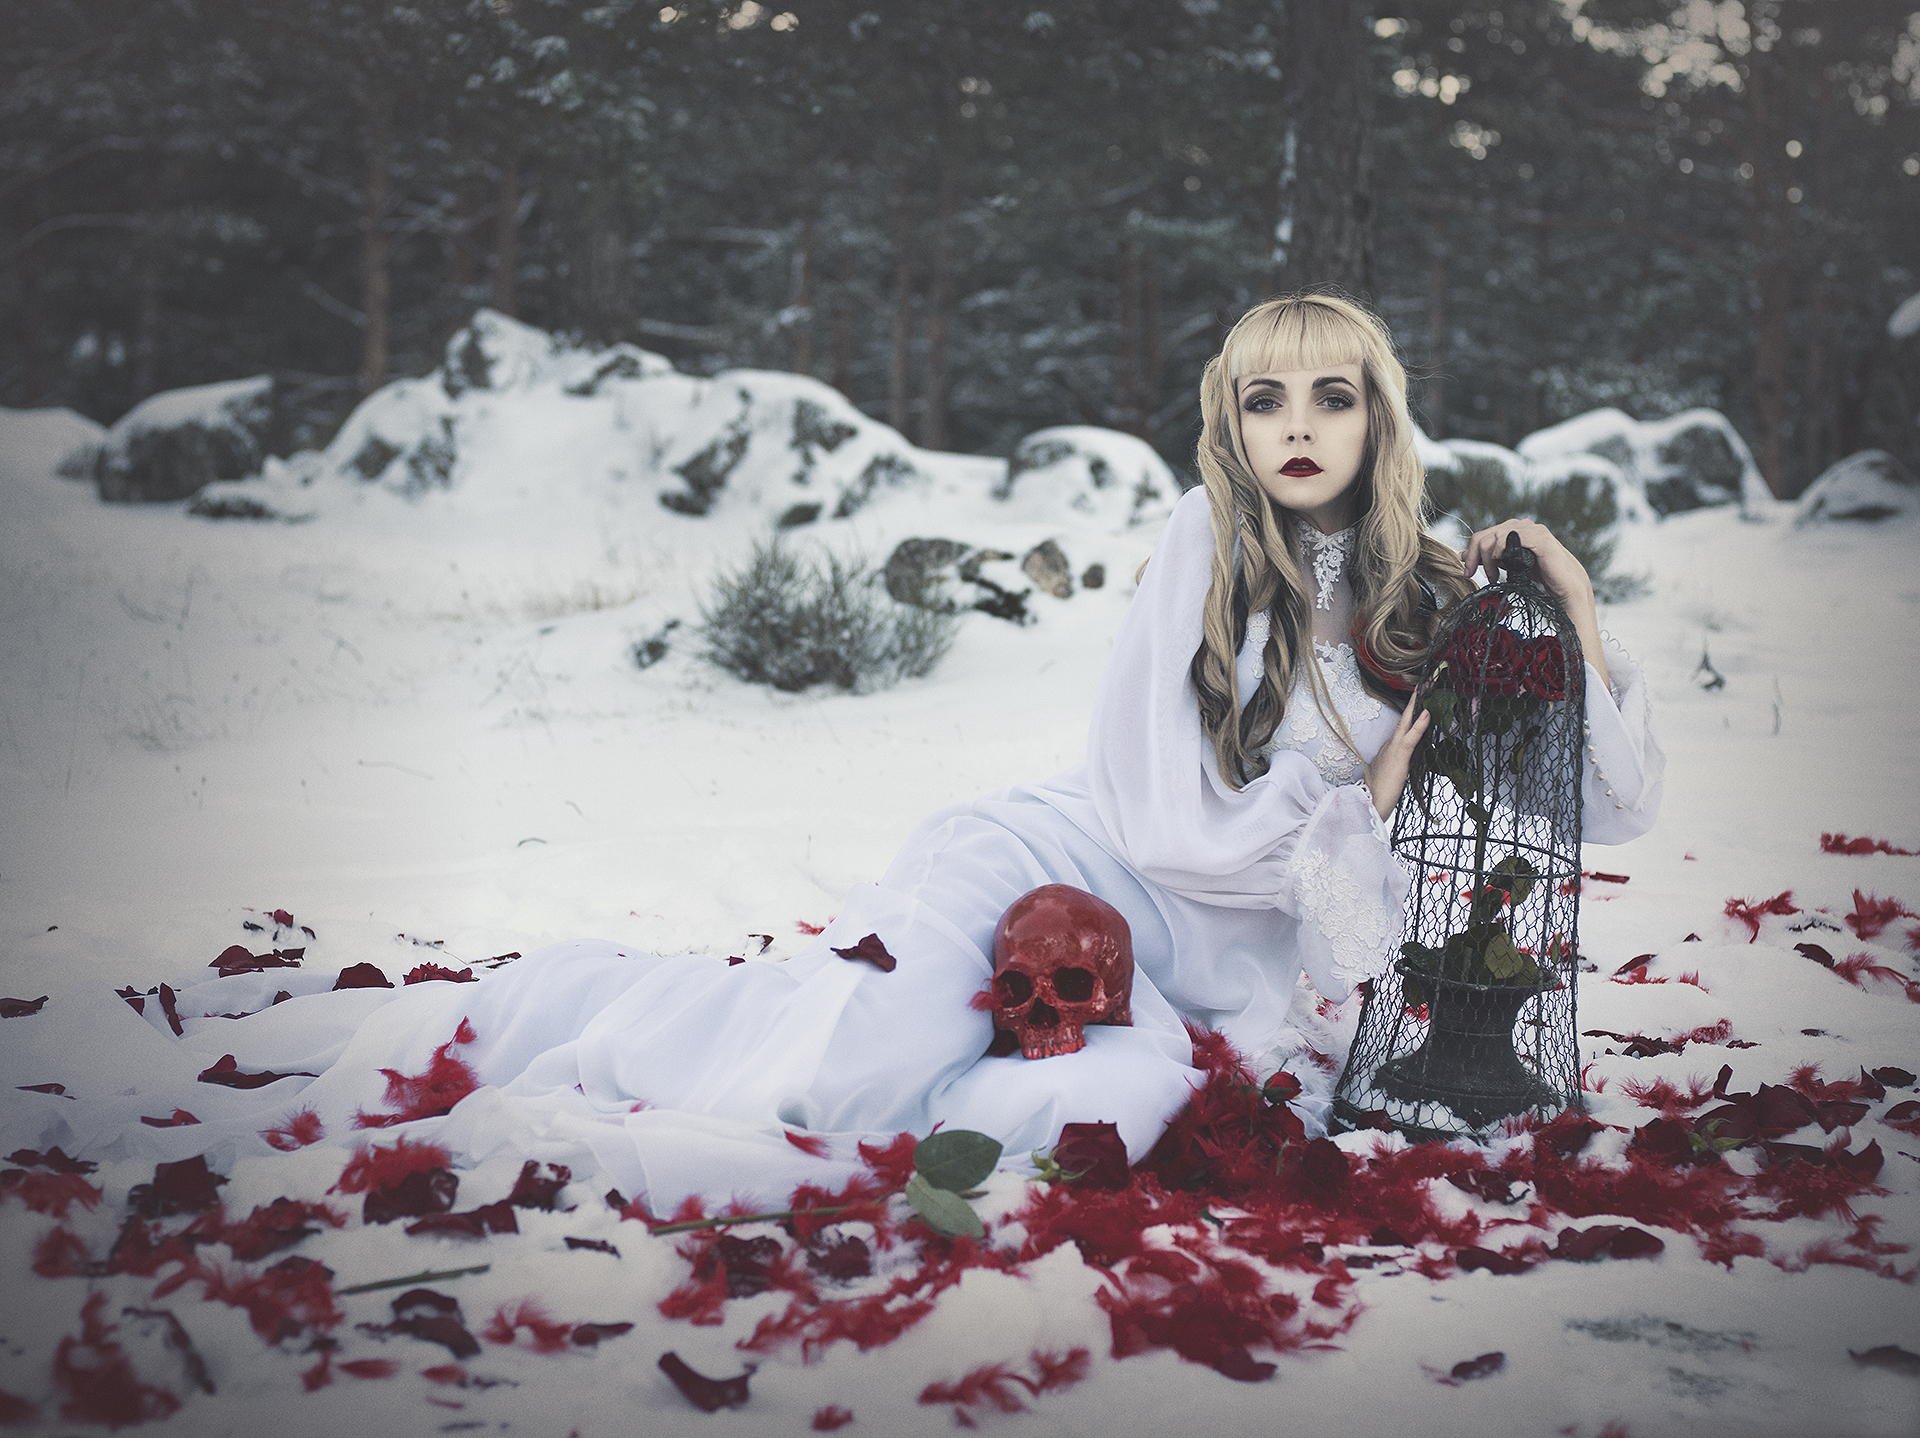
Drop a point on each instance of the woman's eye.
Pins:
(1340, 401)
(1258, 400)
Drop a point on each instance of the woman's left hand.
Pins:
(1558, 569)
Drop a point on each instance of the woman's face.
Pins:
(1305, 431)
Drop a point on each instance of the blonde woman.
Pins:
(1249, 741)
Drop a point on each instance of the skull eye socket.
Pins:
(1075, 986)
(1012, 988)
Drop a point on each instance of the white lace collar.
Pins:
(1330, 554)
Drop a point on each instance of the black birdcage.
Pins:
(1474, 1022)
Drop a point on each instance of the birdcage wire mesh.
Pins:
(1474, 1023)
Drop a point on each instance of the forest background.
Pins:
(975, 219)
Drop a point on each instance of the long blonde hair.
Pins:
(1394, 552)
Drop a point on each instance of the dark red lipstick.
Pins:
(1300, 466)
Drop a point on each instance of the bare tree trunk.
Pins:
(1325, 236)
(506, 236)
(1153, 361)
(1126, 359)
(801, 302)
(462, 272)
(376, 278)
(1818, 400)
(607, 275)
(1439, 331)
(1770, 235)
(146, 323)
(939, 325)
(898, 403)
(840, 342)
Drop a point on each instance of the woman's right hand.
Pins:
(1387, 774)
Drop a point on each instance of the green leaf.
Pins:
(1502, 959)
(1440, 704)
(1516, 874)
(955, 1159)
(946, 1212)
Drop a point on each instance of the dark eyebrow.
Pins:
(1321, 383)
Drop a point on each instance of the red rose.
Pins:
(1486, 661)
(1466, 655)
(1545, 671)
(1506, 658)
(1095, 1152)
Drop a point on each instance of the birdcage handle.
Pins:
(1517, 559)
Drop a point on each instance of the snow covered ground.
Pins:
(414, 724)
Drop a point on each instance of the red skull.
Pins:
(1062, 959)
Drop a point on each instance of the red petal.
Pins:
(707, 1394)
(870, 950)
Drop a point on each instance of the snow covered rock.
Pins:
(170, 444)
(59, 441)
(401, 437)
(1474, 468)
(494, 351)
(1075, 472)
(1868, 485)
(1687, 461)
(949, 575)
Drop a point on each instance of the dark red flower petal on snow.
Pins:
(1607, 1240)
(1470, 1368)
(489, 1218)
(426, 973)
(747, 1262)
(432, 1318)
(588, 1335)
(1904, 1116)
(596, 1245)
(55, 1158)
(709, 1395)
(843, 1259)
(533, 1189)
(415, 1196)
(362, 976)
(184, 1187)
(826, 1420)
(1486, 1183)
(1473, 1258)
(20, 1008)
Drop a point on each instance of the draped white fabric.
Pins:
(676, 1074)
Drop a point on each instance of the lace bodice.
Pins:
(1304, 728)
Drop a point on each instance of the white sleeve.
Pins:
(1622, 767)
(1289, 840)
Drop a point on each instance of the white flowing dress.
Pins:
(677, 1074)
